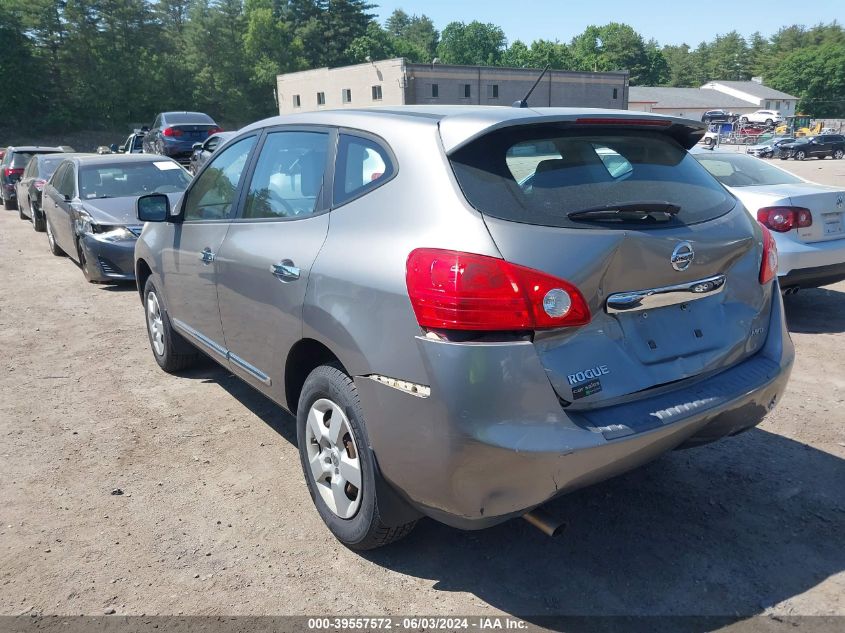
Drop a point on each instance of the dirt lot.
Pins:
(216, 519)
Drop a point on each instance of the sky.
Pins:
(667, 22)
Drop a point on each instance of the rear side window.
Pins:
(539, 175)
(362, 165)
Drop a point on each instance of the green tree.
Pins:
(474, 43)
(613, 46)
(729, 58)
(817, 75)
(681, 65)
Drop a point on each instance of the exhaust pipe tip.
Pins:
(544, 522)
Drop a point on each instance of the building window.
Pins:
(777, 105)
(467, 91)
(296, 101)
(347, 95)
(376, 93)
(433, 91)
(768, 105)
(492, 91)
(615, 93)
(321, 98)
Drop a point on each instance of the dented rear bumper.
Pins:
(492, 440)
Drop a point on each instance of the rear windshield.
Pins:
(539, 175)
(183, 118)
(21, 158)
(740, 170)
(49, 164)
(131, 179)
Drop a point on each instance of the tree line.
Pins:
(105, 64)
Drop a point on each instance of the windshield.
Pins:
(741, 170)
(542, 175)
(112, 180)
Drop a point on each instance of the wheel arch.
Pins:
(304, 357)
(142, 273)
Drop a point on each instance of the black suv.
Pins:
(12, 166)
(820, 146)
(716, 116)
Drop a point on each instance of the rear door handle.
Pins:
(206, 255)
(285, 270)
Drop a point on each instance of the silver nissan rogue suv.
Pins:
(470, 310)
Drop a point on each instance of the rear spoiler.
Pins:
(457, 131)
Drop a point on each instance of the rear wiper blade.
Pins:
(628, 210)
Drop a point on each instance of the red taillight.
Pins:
(171, 131)
(769, 266)
(215, 130)
(462, 291)
(11, 171)
(783, 219)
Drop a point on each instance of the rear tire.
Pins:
(51, 241)
(329, 406)
(171, 351)
(9, 204)
(20, 213)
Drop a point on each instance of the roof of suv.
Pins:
(105, 159)
(42, 149)
(461, 124)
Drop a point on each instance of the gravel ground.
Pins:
(215, 517)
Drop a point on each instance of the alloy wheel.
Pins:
(155, 324)
(333, 458)
(838, 154)
(800, 155)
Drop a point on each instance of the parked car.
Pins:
(819, 146)
(454, 343)
(89, 209)
(134, 143)
(28, 189)
(12, 166)
(768, 148)
(716, 116)
(203, 151)
(173, 134)
(807, 220)
(768, 117)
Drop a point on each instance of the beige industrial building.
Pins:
(397, 82)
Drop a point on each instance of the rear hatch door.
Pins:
(700, 306)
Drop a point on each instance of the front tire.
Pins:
(337, 463)
(51, 241)
(171, 351)
(37, 218)
(800, 155)
(84, 264)
(838, 154)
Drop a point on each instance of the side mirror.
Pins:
(154, 207)
(197, 146)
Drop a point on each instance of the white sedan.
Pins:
(806, 219)
(769, 117)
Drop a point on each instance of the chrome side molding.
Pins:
(665, 296)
